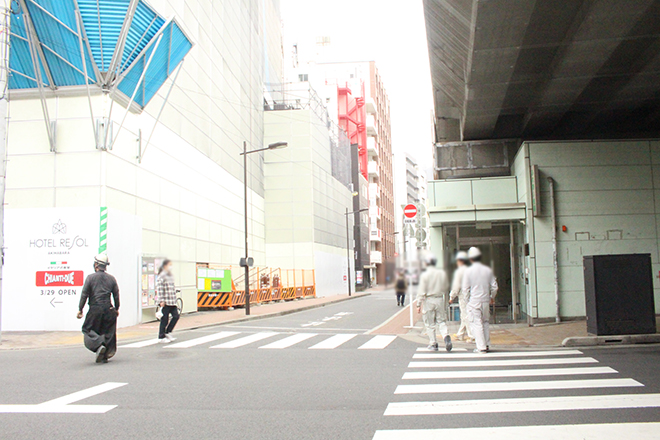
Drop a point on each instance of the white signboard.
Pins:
(48, 254)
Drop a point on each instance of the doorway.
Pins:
(497, 242)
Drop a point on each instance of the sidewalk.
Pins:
(517, 335)
(28, 340)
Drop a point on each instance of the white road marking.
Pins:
(202, 340)
(141, 344)
(333, 342)
(63, 404)
(507, 373)
(377, 342)
(501, 363)
(564, 403)
(291, 340)
(496, 354)
(516, 386)
(424, 349)
(638, 431)
(312, 324)
(246, 340)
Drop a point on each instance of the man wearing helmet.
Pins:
(100, 326)
(462, 262)
(432, 303)
(480, 285)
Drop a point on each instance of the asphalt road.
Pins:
(293, 392)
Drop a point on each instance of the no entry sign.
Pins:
(409, 214)
(410, 211)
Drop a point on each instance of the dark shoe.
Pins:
(100, 354)
(432, 347)
(448, 344)
(487, 349)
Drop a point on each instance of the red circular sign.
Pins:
(410, 211)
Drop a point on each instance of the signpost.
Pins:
(409, 214)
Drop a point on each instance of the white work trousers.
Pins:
(479, 315)
(435, 317)
(465, 321)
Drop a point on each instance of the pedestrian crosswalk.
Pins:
(270, 340)
(462, 383)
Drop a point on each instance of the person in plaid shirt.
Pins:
(166, 295)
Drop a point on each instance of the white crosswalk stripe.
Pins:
(440, 371)
(290, 341)
(496, 355)
(500, 363)
(246, 340)
(333, 342)
(486, 374)
(236, 339)
(638, 431)
(202, 340)
(141, 344)
(516, 386)
(378, 342)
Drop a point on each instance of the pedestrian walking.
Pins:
(462, 262)
(401, 287)
(432, 303)
(480, 285)
(166, 296)
(100, 325)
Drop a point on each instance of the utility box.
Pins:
(619, 294)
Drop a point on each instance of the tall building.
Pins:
(112, 149)
(308, 189)
(365, 85)
(412, 180)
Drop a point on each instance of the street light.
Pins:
(348, 246)
(247, 261)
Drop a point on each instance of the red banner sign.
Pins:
(60, 278)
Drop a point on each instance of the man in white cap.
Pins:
(462, 262)
(100, 326)
(480, 285)
(432, 303)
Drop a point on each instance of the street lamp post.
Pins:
(246, 262)
(348, 246)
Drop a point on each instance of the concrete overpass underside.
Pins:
(545, 69)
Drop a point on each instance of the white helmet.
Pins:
(462, 256)
(474, 252)
(102, 259)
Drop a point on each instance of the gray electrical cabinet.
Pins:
(619, 294)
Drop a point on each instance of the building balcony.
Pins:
(372, 146)
(374, 191)
(376, 257)
(371, 126)
(371, 106)
(372, 168)
(375, 234)
(374, 212)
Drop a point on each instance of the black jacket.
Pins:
(98, 287)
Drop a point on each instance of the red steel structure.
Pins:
(353, 119)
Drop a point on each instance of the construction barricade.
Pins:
(224, 286)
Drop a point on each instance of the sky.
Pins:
(391, 33)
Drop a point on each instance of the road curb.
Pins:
(593, 341)
(276, 314)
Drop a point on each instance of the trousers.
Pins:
(400, 297)
(434, 314)
(166, 327)
(465, 321)
(100, 328)
(479, 315)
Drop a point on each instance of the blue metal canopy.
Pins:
(109, 41)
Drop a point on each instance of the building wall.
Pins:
(188, 187)
(607, 195)
(304, 203)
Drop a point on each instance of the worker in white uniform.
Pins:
(432, 303)
(480, 285)
(462, 262)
